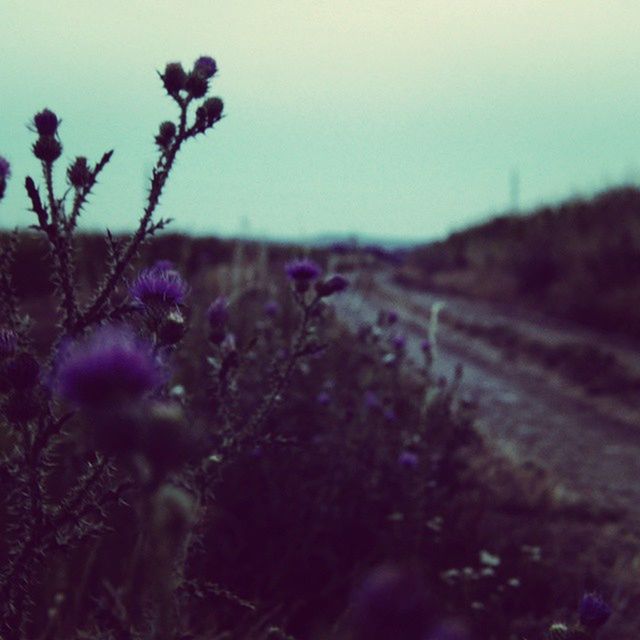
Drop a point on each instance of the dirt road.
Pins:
(592, 446)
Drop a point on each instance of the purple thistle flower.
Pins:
(112, 365)
(303, 270)
(164, 265)
(218, 312)
(399, 342)
(594, 611)
(392, 317)
(425, 346)
(408, 460)
(390, 603)
(205, 66)
(8, 343)
(271, 308)
(5, 168)
(159, 287)
(371, 400)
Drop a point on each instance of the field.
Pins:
(204, 439)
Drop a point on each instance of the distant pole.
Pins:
(514, 188)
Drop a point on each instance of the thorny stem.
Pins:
(159, 177)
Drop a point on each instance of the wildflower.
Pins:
(425, 346)
(205, 66)
(390, 603)
(335, 284)
(79, 173)
(47, 149)
(197, 85)
(46, 122)
(112, 365)
(302, 273)
(217, 317)
(594, 611)
(164, 265)
(271, 308)
(166, 133)
(159, 288)
(392, 317)
(8, 343)
(174, 78)
(371, 400)
(212, 109)
(399, 343)
(408, 460)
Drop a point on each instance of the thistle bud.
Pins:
(47, 149)
(335, 284)
(174, 78)
(166, 134)
(594, 611)
(197, 85)
(79, 174)
(46, 122)
(213, 109)
(217, 317)
(205, 66)
(172, 328)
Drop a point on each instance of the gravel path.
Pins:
(591, 447)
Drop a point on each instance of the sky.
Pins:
(402, 119)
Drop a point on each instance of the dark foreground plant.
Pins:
(190, 461)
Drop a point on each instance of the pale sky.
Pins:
(396, 118)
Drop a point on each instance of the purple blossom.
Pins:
(425, 346)
(205, 66)
(159, 287)
(302, 270)
(111, 365)
(399, 342)
(371, 400)
(5, 168)
(389, 415)
(218, 312)
(390, 603)
(392, 317)
(323, 398)
(164, 265)
(271, 308)
(594, 611)
(408, 460)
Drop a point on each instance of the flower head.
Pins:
(302, 270)
(112, 365)
(46, 122)
(594, 611)
(159, 287)
(271, 308)
(408, 460)
(205, 66)
(334, 284)
(390, 603)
